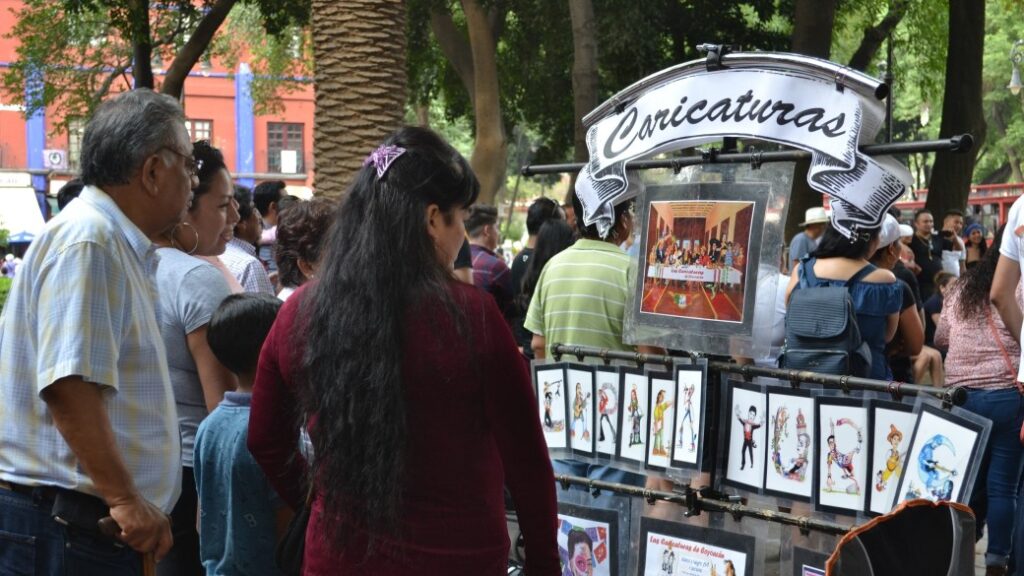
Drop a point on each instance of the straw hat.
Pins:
(814, 216)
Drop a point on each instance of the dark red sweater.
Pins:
(473, 428)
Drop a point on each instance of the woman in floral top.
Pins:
(984, 357)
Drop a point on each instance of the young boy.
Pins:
(240, 515)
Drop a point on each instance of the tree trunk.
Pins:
(584, 71)
(813, 21)
(142, 44)
(455, 47)
(192, 51)
(359, 60)
(875, 35)
(962, 111)
(490, 150)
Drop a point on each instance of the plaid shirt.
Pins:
(240, 258)
(492, 274)
(83, 304)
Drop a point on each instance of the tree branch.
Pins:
(190, 53)
(142, 44)
(875, 35)
(455, 46)
(104, 88)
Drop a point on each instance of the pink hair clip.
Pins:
(383, 157)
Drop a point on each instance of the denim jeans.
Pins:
(33, 543)
(995, 490)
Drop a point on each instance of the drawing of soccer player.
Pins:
(842, 460)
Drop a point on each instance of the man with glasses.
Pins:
(91, 456)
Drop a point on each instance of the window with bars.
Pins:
(199, 129)
(76, 128)
(284, 148)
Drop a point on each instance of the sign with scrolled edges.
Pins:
(798, 108)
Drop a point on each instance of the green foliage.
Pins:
(78, 50)
(4, 235)
(1004, 112)
(5, 287)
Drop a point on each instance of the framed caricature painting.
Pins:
(549, 380)
(662, 408)
(943, 456)
(688, 428)
(608, 383)
(840, 452)
(580, 397)
(670, 548)
(808, 562)
(633, 415)
(892, 425)
(789, 472)
(746, 435)
(588, 540)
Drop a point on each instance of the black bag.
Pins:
(822, 334)
(292, 546)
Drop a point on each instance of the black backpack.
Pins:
(822, 334)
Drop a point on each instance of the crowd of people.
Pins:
(192, 371)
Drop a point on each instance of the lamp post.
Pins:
(1016, 55)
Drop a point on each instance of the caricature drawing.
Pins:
(749, 425)
(842, 460)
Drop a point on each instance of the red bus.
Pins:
(988, 204)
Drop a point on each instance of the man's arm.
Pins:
(1003, 297)
(539, 345)
(81, 418)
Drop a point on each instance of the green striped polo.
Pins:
(580, 298)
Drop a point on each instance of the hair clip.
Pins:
(383, 157)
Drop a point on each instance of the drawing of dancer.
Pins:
(548, 398)
(660, 406)
(607, 405)
(749, 425)
(579, 413)
(894, 463)
(842, 460)
(937, 478)
(688, 416)
(636, 416)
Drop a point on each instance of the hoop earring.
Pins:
(175, 243)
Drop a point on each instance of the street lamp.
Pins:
(1016, 55)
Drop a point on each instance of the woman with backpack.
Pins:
(877, 298)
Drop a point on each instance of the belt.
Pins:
(44, 492)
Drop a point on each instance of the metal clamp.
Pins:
(677, 166)
(594, 490)
(894, 390)
(578, 353)
(755, 158)
(603, 355)
(844, 383)
(564, 482)
(556, 354)
(804, 524)
(650, 497)
(840, 78)
(709, 156)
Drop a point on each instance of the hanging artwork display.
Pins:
(588, 540)
(662, 409)
(633, 416)
(746, 436)
(552, 407)
(892, 424)
(943, 455)
(688, 428)
(699, 256)
(608, 383)
(672, 549)
(808, 562)
(581, 393)
(841, 460)
(790, 469)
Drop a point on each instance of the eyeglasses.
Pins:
(191, 164)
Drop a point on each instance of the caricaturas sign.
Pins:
(788, 99)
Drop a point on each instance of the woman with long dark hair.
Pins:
(877, 298)
(974, 242)
(553, 237)
(420, 406)
(984, 357)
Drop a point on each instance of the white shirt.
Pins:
(1011, 247)
(83, 304)
(240, 258)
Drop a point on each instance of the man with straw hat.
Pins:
(815, 220)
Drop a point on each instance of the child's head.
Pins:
(237, 330)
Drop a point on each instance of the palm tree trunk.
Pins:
(359, 60)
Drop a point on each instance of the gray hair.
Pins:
(126, 130)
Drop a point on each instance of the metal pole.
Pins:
(888, 82)
(696, 502)
(961, 143)
(952, 396)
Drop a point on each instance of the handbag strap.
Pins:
(999, 341)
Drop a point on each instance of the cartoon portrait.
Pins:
(672, 549)
(662, 411)
(746, 462)
(689, 416)
(892, 425)
(550, 382)
(607, 382)
(587, 540)
(581, 408)
(634, 415)
(791, 425)
(942, 455)
(841, 454)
